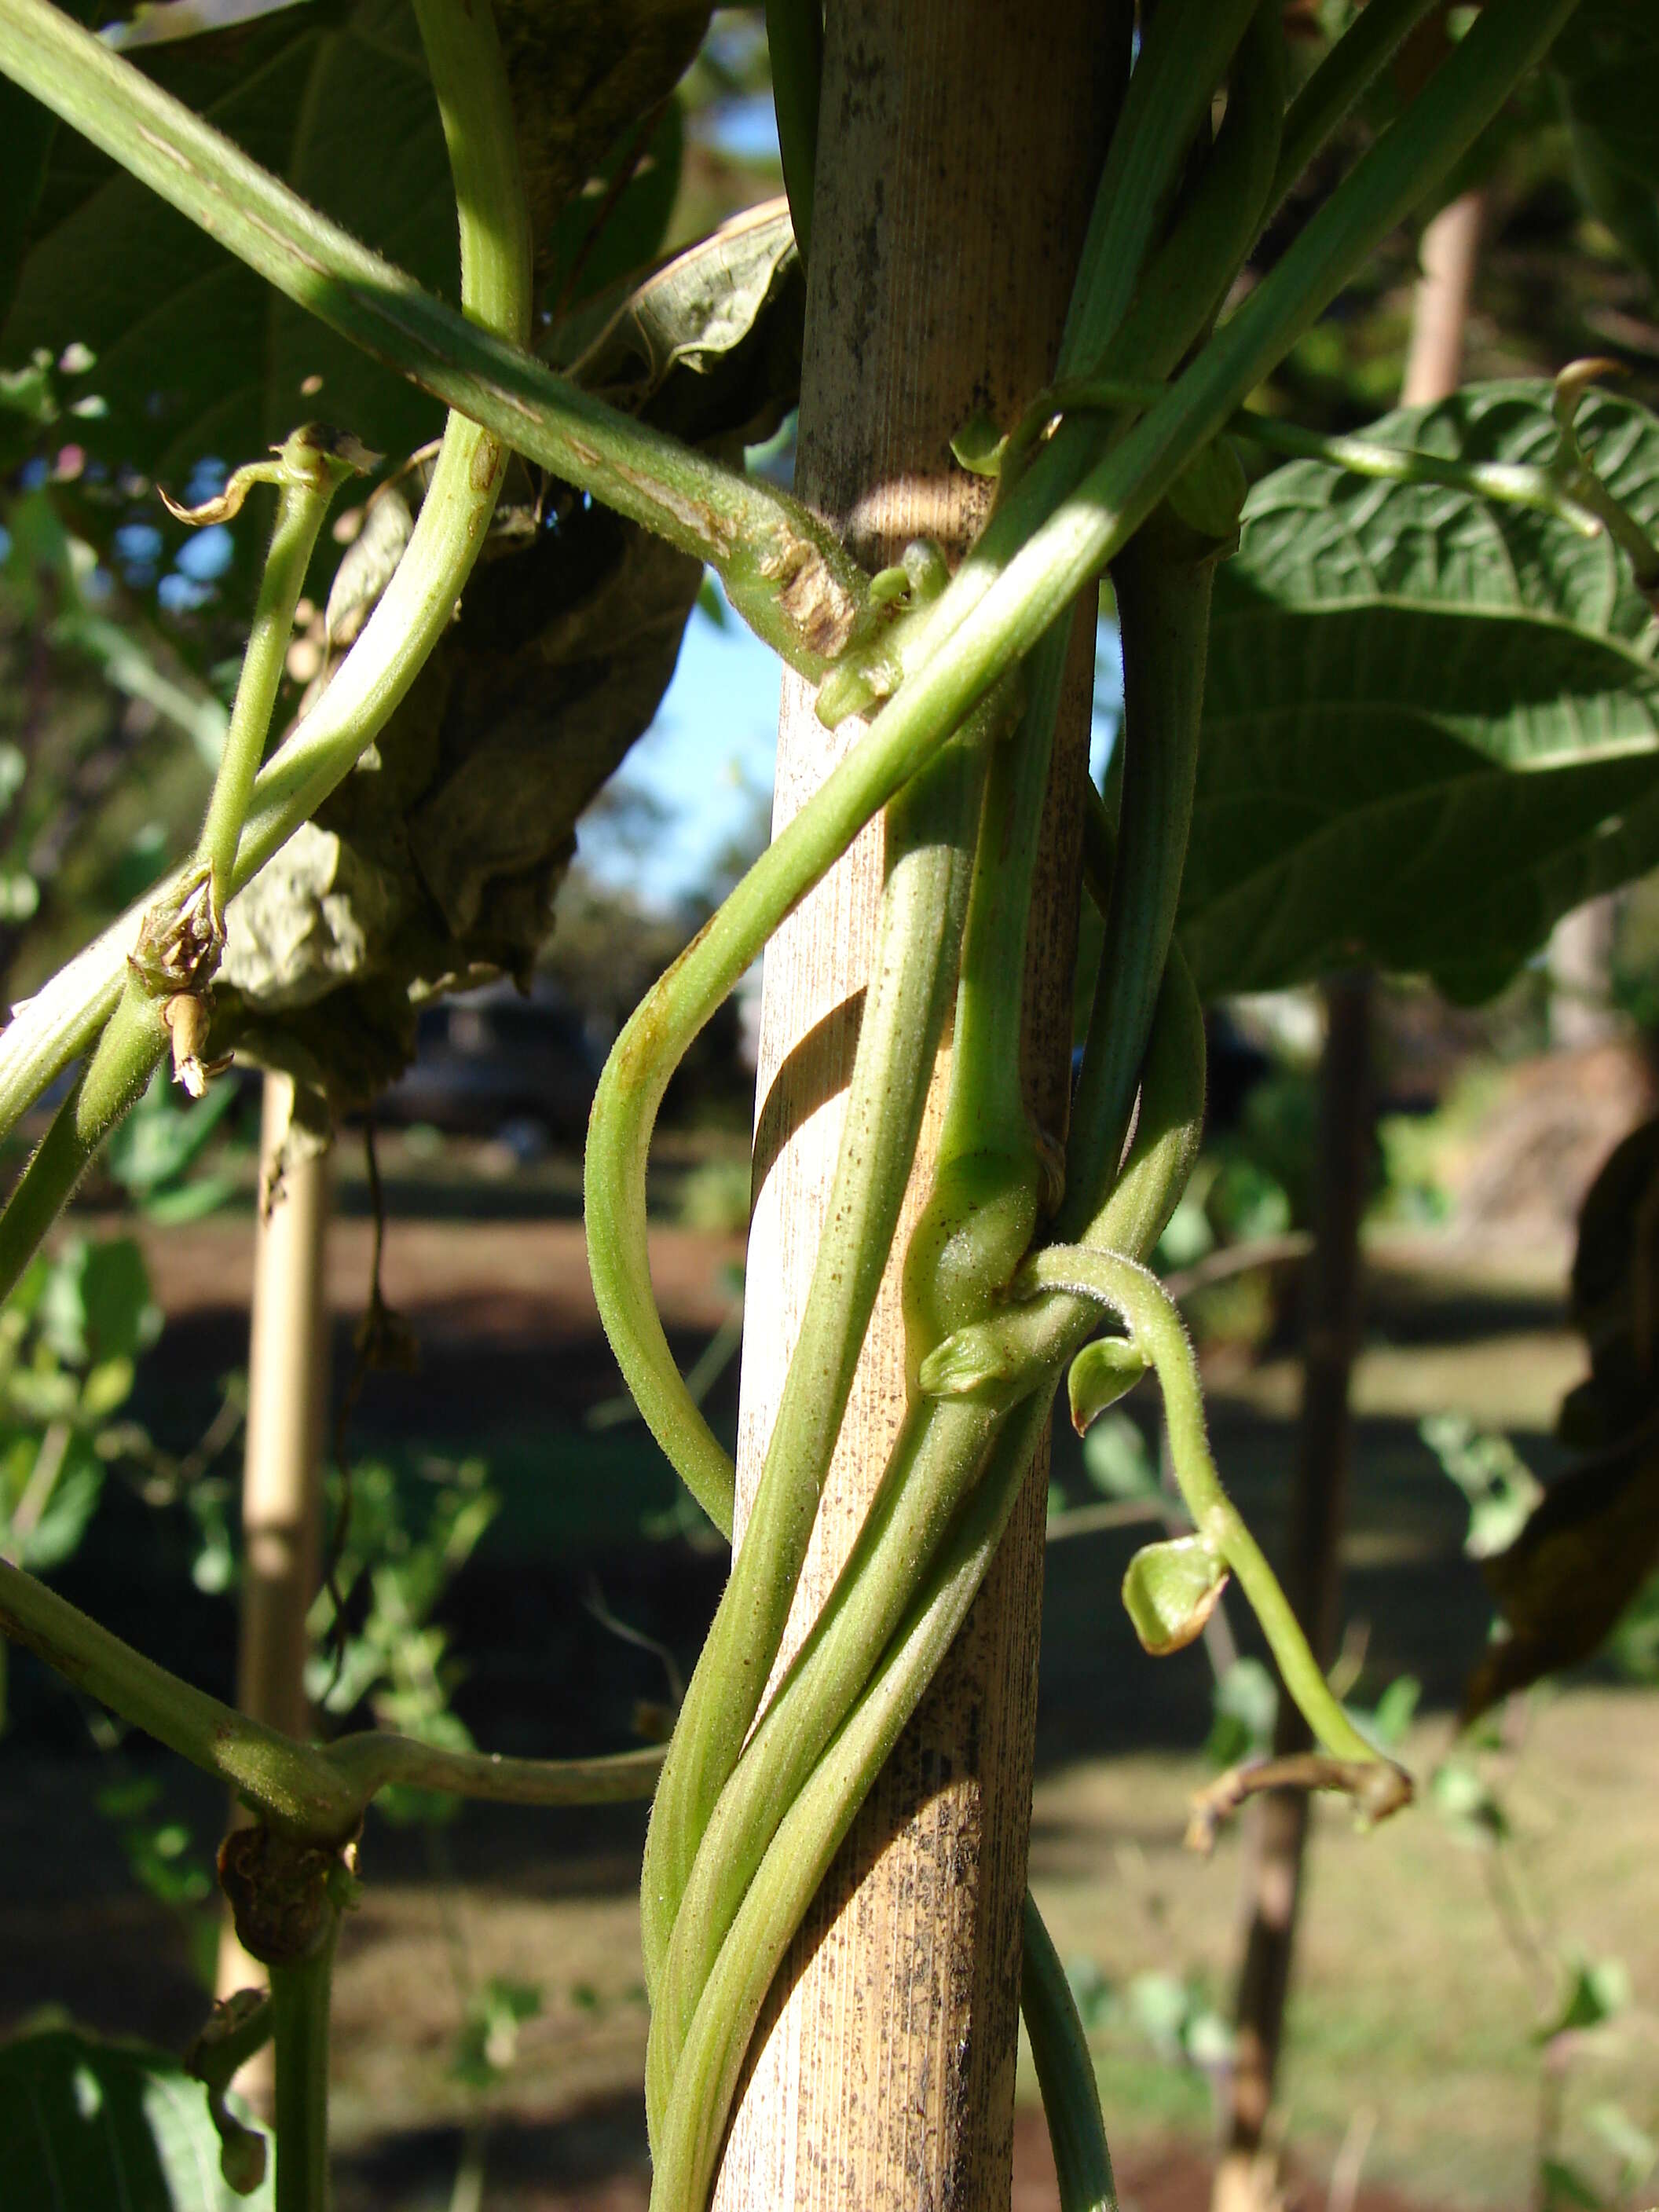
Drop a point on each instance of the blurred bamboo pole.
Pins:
(951, 205)
(281, 1492)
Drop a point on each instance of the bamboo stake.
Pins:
(281, 1498)
(949, 208)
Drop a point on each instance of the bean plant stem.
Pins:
(698, 1995)
(64, 1019)
(1183, 57)
(1060, 2053)
(794, 41)
(1220, 211)
(857, 1714)
(1340, 82)
(1163, 611)
(929, 843)
(1020, 574)
(300, 2021)
(1561, 493)
(307, 483)
(1012, 596)
(319, 1795)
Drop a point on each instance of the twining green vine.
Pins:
(309, 1801)
(1172, 1586)
(794, 42)
(928, 831)
(1060, 2053)
(64, 1019)
(961, 681)
(711, 1949)
(783, 570)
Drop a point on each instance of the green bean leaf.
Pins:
(1431, 723)
(1102, 1373)
(1171, 1590)
(113, 269)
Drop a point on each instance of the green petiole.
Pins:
(300, 2000)
(1371, 42)
(794, 41)
(1569, 492)
(1184, 55)
(1066, 2074)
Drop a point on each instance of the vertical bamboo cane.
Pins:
(281, 1503)
(959, 142)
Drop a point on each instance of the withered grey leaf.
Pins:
(437, 862)
(702, 307)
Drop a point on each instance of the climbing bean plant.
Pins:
(1449, 618)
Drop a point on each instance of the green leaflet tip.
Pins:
(1171, 1590)
(1102, 1373)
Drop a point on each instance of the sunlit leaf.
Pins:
(1430, 724)
(1394, 1711)
(1596, 1989)
(1501, 1489)
(1246, 1709)
(97, 1303)
(1459, 1794)
(1116, 1461)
